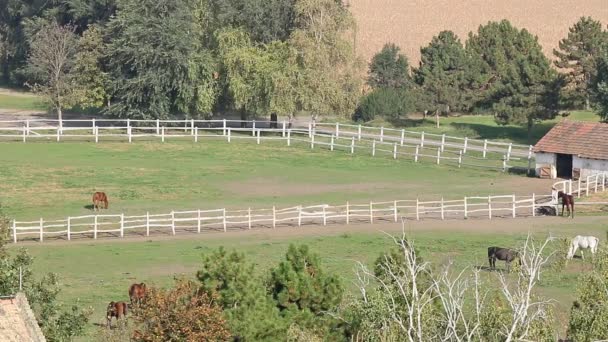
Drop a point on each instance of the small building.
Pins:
(572, 150)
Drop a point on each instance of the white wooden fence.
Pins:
(198, 221)
(425, 147)
(584, 186)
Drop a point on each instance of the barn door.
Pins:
(564, 166)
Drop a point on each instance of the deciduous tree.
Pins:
(92, 81)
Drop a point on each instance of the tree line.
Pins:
(191, 58)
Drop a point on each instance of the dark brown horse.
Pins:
(116, 309)
(568, 202)
(100, 200)
(137, 292)
(506, 254)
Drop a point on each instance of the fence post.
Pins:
(509, 151)
(289, 137)
(416, 155)
(162, 134)
(93, 125)
(373, 148)
(229, 133)
(129, 129)
(533, 205)
(489, 207)
(95, 227)
(274, 216)
(530, 152)
(442, 209)
(191, 126)
(157, 126)
(299, 216)
(331, 146)
(485, 147)
(312, 142)
(14, 231)
(310, 129)
(27, 126)
(96, 129)
(122, 225)
(41, 230)
(597, 176)
(402, 136)
(359, 132)
(196, 134)
(459, 158)
(443, 142)
(283, 129)
(395, 151)
(224, 215)
(514, 208)
(69, 228)
(347, 213)
(249, 218)
(438, 155)
(466, 212)
(224, 127)
(24, 129)
(172, 222)
(371, 212)
(258, 136)
(466, 144)
(395, 210)
(198, 220)
(58, 133)
(529, 166)
(579, 187)
(422, 139)
(352, 146)
(382, 134)
(148, 223)
(504, 163)
(325, 214)
(417, 209)
(337, 129)
(253, 128)
(587, 187)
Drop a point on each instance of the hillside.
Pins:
(412, 24)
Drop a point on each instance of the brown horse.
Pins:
(116, 309)
(568, 202)
(137, 292)
(100, 198)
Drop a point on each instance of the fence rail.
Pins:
(198, 221)
(426, 149)
(590, 184)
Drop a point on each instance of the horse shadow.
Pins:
(88, 206)
(490, 269)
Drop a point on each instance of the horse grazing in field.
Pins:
(116, 309)
(100, 200)
(583, 242)
(567, 201)
(508, 255)
(137, 292)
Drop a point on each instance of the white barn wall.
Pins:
(546, 160)
(588, 166)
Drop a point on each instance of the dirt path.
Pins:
(548, 225)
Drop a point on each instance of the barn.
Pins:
(572, 150)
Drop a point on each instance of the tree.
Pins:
(158, 60)
(328, 79)
(51, 61)
(443, 73)
(389, 69)
(389, 103)
(578, 56)
(92, 80)
(518, 82)
(600, 86)
(183, 313)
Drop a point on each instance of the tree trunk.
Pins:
(587, 102)
(530, 125)
(60, 116)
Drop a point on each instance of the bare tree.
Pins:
(524, 307)
(52, 51)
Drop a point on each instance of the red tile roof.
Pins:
(583, 139)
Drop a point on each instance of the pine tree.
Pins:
(389, 69)
(577, 57)
(600, 86)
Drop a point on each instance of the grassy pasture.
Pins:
(21, 102)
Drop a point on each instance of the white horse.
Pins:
(583, 242)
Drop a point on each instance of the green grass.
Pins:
(54, 180)
(96, 273)
(483, 127)
(21, 102)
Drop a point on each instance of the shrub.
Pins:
(385, 102)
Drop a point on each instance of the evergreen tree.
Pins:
(600, 86)
(158, 60)
(518, 83)
(389, 69)
(577, 57)
(443, 73)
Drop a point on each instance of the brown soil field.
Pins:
(412, 24)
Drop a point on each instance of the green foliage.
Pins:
(600, 86)
(370, 318)
(92, 80)
(158, 61)
(589, 312)
(578, 57)
(520, 84)
(389, 103)
(443, 73)
(389, 69)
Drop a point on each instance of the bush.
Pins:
(386, 102)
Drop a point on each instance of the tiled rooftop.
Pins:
(583, 139)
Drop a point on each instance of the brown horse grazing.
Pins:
(568, 202)
(100, 198)
(137, 292)
(116, 309)
(505, 254)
